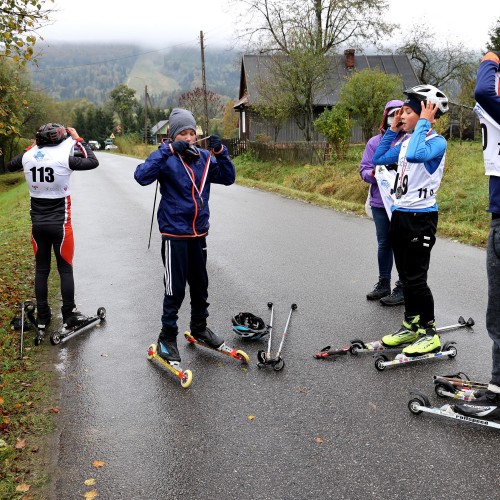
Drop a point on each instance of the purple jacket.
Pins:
(366, 167)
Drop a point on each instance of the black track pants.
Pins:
(185, 261)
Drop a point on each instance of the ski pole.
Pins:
(152, 215)
(285, 332)
(22, 330)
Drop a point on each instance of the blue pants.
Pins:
(493, 310)
(384, 252)
(185, 261)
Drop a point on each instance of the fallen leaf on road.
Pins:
(54, 410)
(1, 400)
(89, 482)
(90, 494)
(98, 464)
(21, 443)
(318, 440)
(251, 417)
(35, 449)
(23, 487)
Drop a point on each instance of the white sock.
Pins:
(494, 388)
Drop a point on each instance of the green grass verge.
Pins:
(462, 197)
(26, 416)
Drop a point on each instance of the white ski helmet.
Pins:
(431, 93)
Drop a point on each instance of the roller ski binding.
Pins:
(251, 327)
(75, 324)
(458, 386)
(487, 415)
(358, 346)
(203, 336)
(264, 357)
(448, 350)
(185, 376)
(40, 323)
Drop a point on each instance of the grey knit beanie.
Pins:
(179, 120)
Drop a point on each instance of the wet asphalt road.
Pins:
(322, 429)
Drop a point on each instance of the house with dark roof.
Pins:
(253, 68)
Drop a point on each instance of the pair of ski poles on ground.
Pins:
(264, 357)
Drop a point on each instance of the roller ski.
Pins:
(358, 346)
(484, 411)
(185, 376)
(75, 324)
(251, 327)
(264, 357)
(458, 386)
(203, 336)
(447, 351)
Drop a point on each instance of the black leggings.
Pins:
(60, 238)
(413, 235)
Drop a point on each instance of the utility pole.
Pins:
(204, 83)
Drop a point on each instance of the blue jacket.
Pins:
(489, 98)
(183, 212)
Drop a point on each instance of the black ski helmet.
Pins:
(249, 326)
(51, 134)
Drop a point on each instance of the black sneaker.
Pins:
(74, 319)
(396, 298)
(487, 407)
(203, 334)
(381, 289)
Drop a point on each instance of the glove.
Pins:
(214, 143)
(179, 147)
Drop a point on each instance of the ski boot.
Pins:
(484, 413)
(205, 337)
(41, 322)
(405, 335)
(74, 323)
(166, 353)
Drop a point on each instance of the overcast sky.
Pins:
(166, 24)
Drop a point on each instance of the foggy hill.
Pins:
(91, 71)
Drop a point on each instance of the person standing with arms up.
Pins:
(185, 174)
(47, 167)
(487, 94)
(420, 158)
(382, 289)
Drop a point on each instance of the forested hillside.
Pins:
(91, 71)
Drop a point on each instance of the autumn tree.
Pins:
(124, 104)
(494, 34)
(435, 65)
(298, 36)
(19, 22)
(229, 120)
(194, 100)
(365, 95)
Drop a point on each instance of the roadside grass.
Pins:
(462, 198)
(25, 387)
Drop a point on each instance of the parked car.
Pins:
(110, 146)
(94, 145)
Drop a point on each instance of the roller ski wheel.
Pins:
(447, 350)
(185, 376)
(417, 404)
(224, 349)
(67, 332)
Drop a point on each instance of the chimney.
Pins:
(349, 59)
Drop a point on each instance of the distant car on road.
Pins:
(110, 146)
(94, 145)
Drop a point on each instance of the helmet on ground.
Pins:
(430, 93)
(249, 326)
(51, 134)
